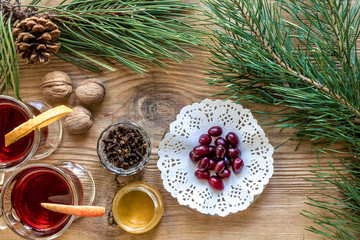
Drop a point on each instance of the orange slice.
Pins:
(40, 121)
(19, 132)
(82, 211)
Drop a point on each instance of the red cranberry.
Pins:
(201, 150)
(232, 138)
(203, 163)
(227, 162)
(193, 158)
(202, 175)
(212, 163)
(219, 166)
(225, 174)
(221, 141)
(237, 165)
(215, 131)
(216, 183)
(220, 152)
(205, 139)
(233, 152)
(211, 152)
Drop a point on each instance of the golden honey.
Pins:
(138, 207)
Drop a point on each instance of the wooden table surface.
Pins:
(153, 101)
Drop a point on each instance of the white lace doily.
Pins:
(177, 170)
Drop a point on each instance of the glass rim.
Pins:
(58, 170)
(35, 143)
(111, 167)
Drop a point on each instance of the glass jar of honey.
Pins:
(138, 207)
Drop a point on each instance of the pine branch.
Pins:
(9, 75)
(344, 211)
(306, 62)
(278, 60)
(126, 32)
(97, 34)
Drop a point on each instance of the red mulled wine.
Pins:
(11, 116)
(34, 186)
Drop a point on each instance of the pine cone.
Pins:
(35, 39)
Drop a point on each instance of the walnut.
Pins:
(79, 121)
(90, 91)
(56, 86)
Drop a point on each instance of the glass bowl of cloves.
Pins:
(124, 148)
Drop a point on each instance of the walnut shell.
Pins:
(56, 86)
(90, 91)
(79, 121)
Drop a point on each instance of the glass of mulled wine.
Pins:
(28, 187)
(36, 145)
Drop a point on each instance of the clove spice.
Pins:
(125, 147)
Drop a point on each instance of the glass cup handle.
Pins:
(2, 222)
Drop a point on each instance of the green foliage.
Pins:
(97, 34)
(341, 204)
(124, 31)
(300, 55)
(9, 74)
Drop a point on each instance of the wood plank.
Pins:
(154, 101)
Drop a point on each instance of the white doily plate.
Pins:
(177, 170)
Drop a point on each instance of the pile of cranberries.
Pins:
(217, 154)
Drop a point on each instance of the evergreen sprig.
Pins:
(300, 55)
(96, 34)
(124, 31)
(341, 219)
(9, 74)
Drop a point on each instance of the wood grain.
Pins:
(154, 101)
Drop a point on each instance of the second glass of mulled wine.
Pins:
(28, 187)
